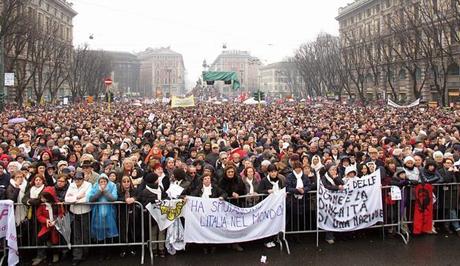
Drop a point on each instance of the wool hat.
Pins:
(409, 158)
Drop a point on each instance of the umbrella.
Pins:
(17, 120)
(63, 226)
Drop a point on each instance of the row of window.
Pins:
(387, 4)
(53, 10)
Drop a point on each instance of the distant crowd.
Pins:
(84, 153)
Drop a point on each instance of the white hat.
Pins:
(350, 169)
(61, 163)
(409, 158)
(285, 145)
(437, 154)
(265, 163)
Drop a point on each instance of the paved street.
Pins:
(371, 250)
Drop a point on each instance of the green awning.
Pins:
(224, 76)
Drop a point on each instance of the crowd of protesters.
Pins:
(84, 153)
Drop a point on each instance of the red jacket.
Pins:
(43, 215)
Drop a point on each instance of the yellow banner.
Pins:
(182, 102)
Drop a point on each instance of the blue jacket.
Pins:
(103, 216)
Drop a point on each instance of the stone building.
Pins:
(280, 80)
(162, 72)
(374, 22)
(125, 73)
(241, 62)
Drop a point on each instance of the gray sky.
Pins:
(270, 30)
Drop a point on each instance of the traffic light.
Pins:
(209, 82)
(228, 82)
(259, 95)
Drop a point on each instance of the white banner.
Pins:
(395, 105)
(358, 206)
(8, 230)
(165, 212)
(217, 221)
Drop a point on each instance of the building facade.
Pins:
(50, 17)
(280, 80)
(125, 73)
(58, 13)
(161, 73)
(241, 62)
(377, 22)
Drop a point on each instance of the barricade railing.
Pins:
(93, 224)
(300, 219)
(445, 199)
(301, 215)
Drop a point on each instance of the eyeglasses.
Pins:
(125, 181)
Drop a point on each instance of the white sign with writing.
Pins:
(9, 79)
(357, 206)
(395, 193)
(217, 221)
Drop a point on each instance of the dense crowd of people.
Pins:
(84, 153)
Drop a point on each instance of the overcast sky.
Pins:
(270, 30)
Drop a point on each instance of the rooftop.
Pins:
(158, 51)
(282, 64)
(68, 6)
(343, 11)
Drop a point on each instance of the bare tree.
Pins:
(437, 44)
(355, 63)
(308, 65)
(9, 17)
(61, 58)
(97, 66)
(331, 64)
(16, 40)
(75, 70)
(87, 71)
(42, 43)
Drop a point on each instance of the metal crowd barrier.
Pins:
(300, 219)
(301, 215)
(129, 222)
(445, 206)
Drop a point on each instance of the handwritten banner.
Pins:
(217, 221)
(8, 230)
(358, 206)
(182, 102)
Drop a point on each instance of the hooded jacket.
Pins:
(43, 214)
(103, 216)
